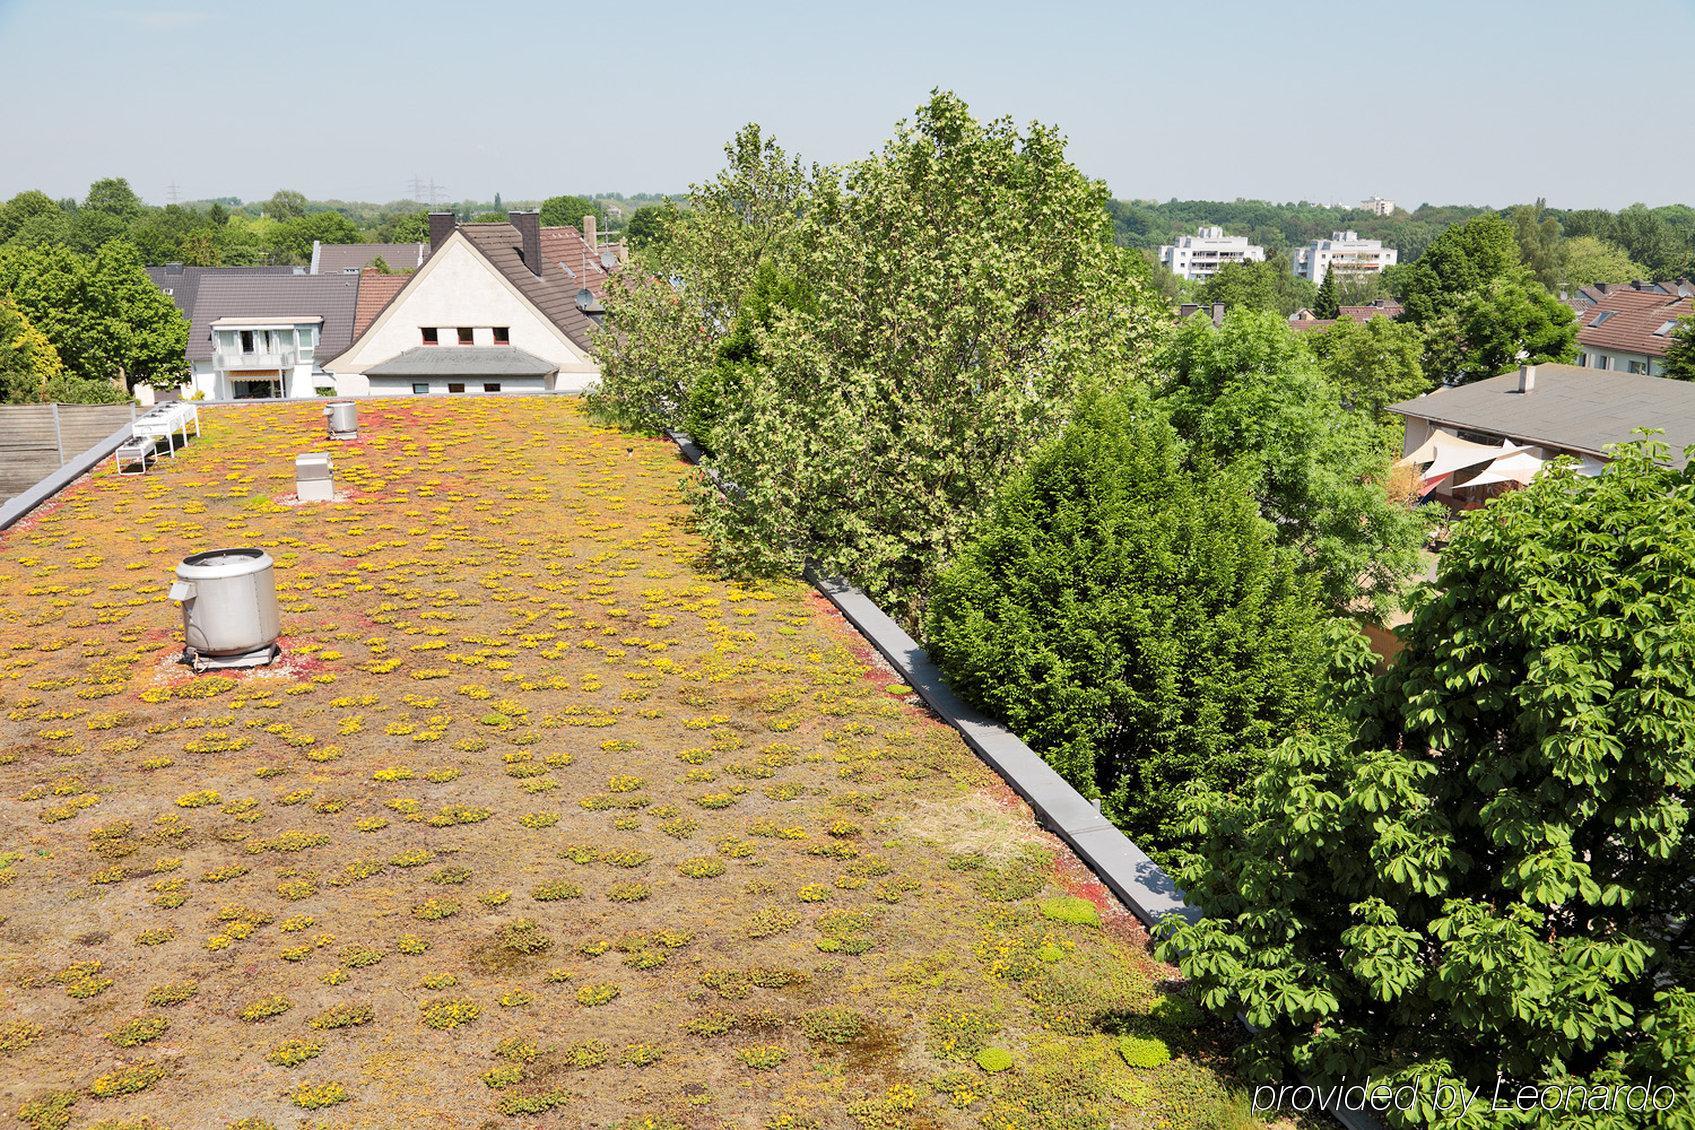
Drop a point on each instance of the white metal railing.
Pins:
(257, 359)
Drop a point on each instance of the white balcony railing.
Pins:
(258, 359)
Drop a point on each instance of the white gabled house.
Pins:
(495, 308)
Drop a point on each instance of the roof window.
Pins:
(1602, 316)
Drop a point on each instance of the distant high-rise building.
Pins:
(1345, 253)
(1378, 206)
(1198, 257)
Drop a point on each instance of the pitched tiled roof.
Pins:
(553, 292)
(566, 246)
(1569, 407)
(183, 283)
(334, 258)
(376, 291)
(330, 297)
(1626, 320)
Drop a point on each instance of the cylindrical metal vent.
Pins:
(343, 416)
(229, 608)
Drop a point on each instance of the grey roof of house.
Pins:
(330, 297)
(183, 283)
(1568, 407)
(334, 258)
(463, 361)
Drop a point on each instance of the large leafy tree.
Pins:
(29, 365)
(1373, 363)
(1588, 259)
(101, 312)
(1251, 395)
(1509, 316)
(1465, 258)
(1680, 350)
(563, 211)
(1490, 874)
(966, 287)
(1256, 286)
(665, 331)
(1133, 619)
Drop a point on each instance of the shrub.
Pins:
(316, 1096)
(266, 1007)
(763, 1057)
(293, 1053)
(1072, 910)
(138, 1031)
(524, 936)
(127, 1080)
(448, 1013)
(344, 1016)
(994, 1060)
(833, 1025)
(1143, 1051)
(1182, 645)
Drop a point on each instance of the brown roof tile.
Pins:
(376, 291)
(1625, 320)
(553, 292)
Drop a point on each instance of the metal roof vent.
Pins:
(229, 609)
(342, 417)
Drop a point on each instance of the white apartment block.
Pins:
(1199, 256)
(1378, 206)
(1345, 253)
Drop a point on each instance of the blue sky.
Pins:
(1489, 101)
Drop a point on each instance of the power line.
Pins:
(171, 192)
(417, 185)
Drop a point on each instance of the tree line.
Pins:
(1147, 545)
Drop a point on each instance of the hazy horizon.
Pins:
(1326, 102)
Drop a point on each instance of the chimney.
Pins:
(1218, 313)
(529, 230)
(1526, 378)
(441, 226)
(1187, 308)
(589, 235)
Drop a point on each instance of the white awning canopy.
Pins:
(1518, 467)
(1449, 453)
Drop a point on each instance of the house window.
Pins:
(247, 341)
(464, 335)
(1600, 360)
(420, 389)
(429, 333)
(1638, 367)
(456, 387)
(1583, 360)
(491, 386)
(502, 335)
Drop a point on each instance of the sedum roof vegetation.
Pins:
(534, 816)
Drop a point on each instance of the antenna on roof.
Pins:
(608, 261)
(585, 298)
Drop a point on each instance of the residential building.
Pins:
(1345, 253)
(1378, 206)
(259, 332)
(1198, 257)
(495, 308)
(1555, 410)
(1304, 319)
(338, 258)
(266, 336)
(1626, 328)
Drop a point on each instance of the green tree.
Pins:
(26, 207)
(1252, 396)
(1540, 244)
(412, 227)
(114, 197)
(1587, 260)
(29, 365)
(1131, 618)
(286, 204)
(1256, 286)
(291, 241)
(101, 312)
(1680, 350)
(1488, 874)
(1373, 364)
(1508, 316)
(967, 286)
(1325, 305)
(563, 211)
(666, 326)
(1649, 240)
(497, 206)
(1463, 259)
(648, 226)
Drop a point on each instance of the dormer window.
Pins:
(429, 333)
(502, 335)
(464, 335)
